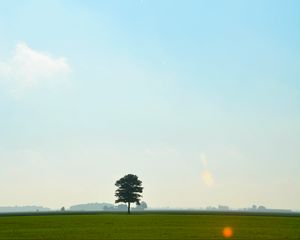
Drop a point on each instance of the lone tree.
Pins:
(129, 189)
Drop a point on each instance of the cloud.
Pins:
(206, 175)
(28, 67)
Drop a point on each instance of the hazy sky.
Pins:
(200, 99)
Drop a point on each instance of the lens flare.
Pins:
(227, 232)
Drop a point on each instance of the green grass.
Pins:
(148, 226)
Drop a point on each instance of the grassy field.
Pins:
(148, 226)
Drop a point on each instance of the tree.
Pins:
(129, 189)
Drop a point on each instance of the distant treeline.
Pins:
(106, 207)
(123, 207)
(79, 207)
(90, 207)
(24, 209)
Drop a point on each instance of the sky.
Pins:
(200, 99)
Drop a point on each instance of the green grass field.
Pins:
(148, 226)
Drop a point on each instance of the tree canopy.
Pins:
(129, 190)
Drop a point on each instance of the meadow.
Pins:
(148, 226)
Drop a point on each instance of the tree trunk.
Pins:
(128, 207)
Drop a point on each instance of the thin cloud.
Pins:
(28, 67)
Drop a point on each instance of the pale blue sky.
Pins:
(200, 99)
